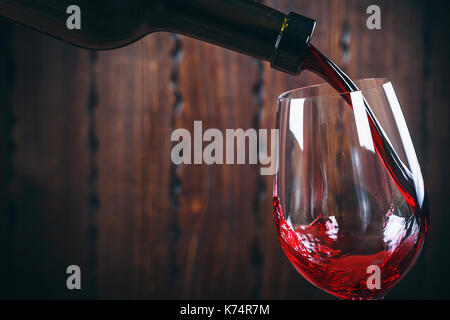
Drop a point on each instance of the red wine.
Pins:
(327, 257)
(335, 259)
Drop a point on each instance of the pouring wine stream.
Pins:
(318, 63)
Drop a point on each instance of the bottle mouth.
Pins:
(292, 42)
(326, 90)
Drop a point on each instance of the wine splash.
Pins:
(328, 255)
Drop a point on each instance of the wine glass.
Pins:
(351, 217)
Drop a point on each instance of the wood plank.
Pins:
(217, 226)
(49, 189)
(437, 135)
(133, 126)
(6, 150)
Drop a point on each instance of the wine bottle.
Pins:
(245, 26)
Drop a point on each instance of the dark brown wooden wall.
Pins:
(86, 176)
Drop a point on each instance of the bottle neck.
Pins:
(245, 26)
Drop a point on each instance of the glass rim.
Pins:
(302, 91)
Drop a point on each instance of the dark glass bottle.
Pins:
(244, 26)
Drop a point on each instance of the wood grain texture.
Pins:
(87, 179)
(48, 229)
(7, 121)
(215, 215)
(436, 154)
(133, 125)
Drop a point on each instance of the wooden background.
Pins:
(86, 176)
